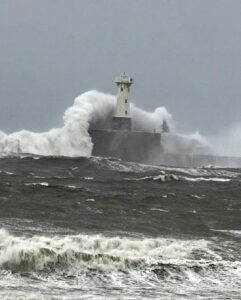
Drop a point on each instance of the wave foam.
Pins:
(85, 251)
(92, 109)
(89, 109)
(123, 268)
(172, 177)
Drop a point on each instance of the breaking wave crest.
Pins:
(92, 109)
(172, 177)
(89, 109)
(70, 140)
(92, 252)
(140, 265)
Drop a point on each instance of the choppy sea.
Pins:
(99, 228)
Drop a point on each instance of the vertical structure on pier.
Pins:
(120, 141)
(122, 117)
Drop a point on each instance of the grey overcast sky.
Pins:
(183, 54)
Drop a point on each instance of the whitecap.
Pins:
(71, 186)
(233, 232)
(198, 179)
(159, 209)
(88, 178)
(37, 183)
(90, 251)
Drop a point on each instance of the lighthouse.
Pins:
(120, 140)
(122, 117)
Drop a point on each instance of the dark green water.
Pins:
(104, 229)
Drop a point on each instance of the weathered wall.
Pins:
(128, 145)
(145, 147)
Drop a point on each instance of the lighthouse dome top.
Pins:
(124, 78)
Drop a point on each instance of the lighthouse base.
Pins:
(144, 147)
(119, 123)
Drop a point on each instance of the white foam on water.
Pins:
(10, 173)
(198, 179)
(10, 295)
(173, 177)
(233, 232)
(37, 183)
(88, 178)
(115, 164)
(166, 177)
(71, 186)
(90, 251)
(99, 267)
(199, 197)
(204, 172)
(159, 209)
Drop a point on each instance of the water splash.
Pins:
(90, 251)
(228, 141)
(92, 109)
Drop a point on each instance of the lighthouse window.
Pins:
(126, 112)
(126, 101)
(122, 89)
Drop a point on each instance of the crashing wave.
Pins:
(92, 252)
(164, 177)
(91, 110)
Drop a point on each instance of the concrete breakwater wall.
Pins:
(144, 147)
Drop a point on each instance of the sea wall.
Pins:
(145, 147)
(134, 146)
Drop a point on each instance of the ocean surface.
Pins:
(99, 228)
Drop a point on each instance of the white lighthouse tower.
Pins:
(122, 118)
